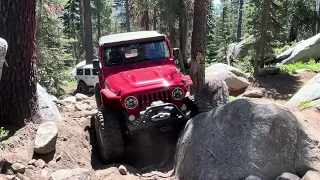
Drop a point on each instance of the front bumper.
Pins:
(165, 114)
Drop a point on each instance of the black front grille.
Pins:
(145, 100)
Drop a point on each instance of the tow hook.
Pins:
(161, 116)
(165, 129)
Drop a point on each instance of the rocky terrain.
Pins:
(258, 134)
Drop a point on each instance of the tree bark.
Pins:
(318, 30)
(88, 31)
(18, 100)
(99, 5)
(155, 18)
(184, 29)
(127, 15)
(81, 27)
(239, 26)
(198, 45)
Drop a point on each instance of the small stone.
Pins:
(251, 177)
(80, 97)
(81, 107)
(9, 177)
(22, 177)
(32, 161)
(46, 138)
(311, 175)
(70, 99)
(123, 170)
(288, 176)
(89, 113)
(40, 163)
(18, 167)
(254, 93)
(2, 177)
(43, 173)
(299, 71)
(78, 173)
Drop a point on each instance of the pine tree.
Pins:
(263, 23)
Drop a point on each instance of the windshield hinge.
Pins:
(119, 93)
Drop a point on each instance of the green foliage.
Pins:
(233, 98)
(3, 134)
(291, 68)
(306, 104)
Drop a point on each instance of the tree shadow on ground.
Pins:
(146, 151)
(278, 87)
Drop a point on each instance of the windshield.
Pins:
(131, 53)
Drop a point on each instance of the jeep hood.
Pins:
(143, 79)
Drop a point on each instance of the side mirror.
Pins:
(176, 52)
(96, 64)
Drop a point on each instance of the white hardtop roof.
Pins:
(128, 36)
(83, 65)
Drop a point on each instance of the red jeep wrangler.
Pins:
(139, 87)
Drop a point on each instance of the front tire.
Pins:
(109, 135)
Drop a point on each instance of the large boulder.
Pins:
(47, 110)
(309, 92)
(305, 50)
(246, 137)
(235, 51)
(3, 52)
(235, 79)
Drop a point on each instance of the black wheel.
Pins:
(213, 94)
(109, 135)
(82, 88)
(97, 95)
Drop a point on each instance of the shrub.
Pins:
(3, 134)
(291, 68)
(305, 104)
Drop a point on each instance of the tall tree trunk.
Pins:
(88, 31)
(18, 100)
(172, 31)
(260, 44)
(239, 26)
(155, 18)
(127, 16)
(98, 11)
(198, 45)
(183, 29)
(318, 30)
(225, 44)
(81, 27)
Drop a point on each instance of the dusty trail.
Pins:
(76, 148)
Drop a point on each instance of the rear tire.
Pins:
(82, 88)
(109, 135)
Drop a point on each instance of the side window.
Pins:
(94, 72)
(79, 71)
(87, 72)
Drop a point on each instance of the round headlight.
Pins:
(178, 94)
(131, 102)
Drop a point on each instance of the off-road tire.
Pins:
(82, 88)
(213, 94)
(110, 140)
(97, 95)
